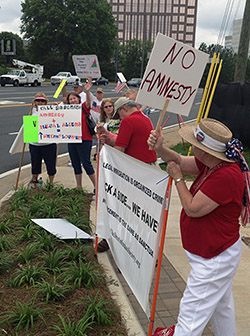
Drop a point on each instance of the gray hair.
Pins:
(130, 104)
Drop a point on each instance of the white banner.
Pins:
(131, 202)
(174, 71)
(86, 65)
(60, 123)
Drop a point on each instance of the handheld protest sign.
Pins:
(86, 65)
(121, 77)
(60, 87)
(174, 71)
(60, 123)
(30, 129)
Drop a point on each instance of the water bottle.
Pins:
(40, 183)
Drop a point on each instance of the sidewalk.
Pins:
(175, 267)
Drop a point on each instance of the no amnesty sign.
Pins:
(174, 71)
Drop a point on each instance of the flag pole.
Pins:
(158, 271)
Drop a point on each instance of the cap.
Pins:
(122, 101)
(77, 84)
(99, 90)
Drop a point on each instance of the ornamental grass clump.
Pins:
(5, 243)
(99, 310)
(54, 260)
(52, 291)
(29, 276)
(5, 226)
(71, 328)
(23, 317)
(81, 274)
(28, 254)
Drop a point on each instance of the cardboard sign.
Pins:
(60, 123)
(121, 77)
(61, 228)
(86, 65)
(30, 129)
(131, 202)
(174, 71)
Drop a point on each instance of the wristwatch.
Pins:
(178, 180)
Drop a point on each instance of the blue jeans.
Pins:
(80, 155)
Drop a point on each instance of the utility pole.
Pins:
(241, 61)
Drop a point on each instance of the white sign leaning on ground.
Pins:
(174, 71)
(86, 65)
(60, 123)
(131, 202)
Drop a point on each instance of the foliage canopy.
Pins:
(58, 29)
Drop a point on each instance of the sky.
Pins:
(209, 18)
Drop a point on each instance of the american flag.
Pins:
(119, 86)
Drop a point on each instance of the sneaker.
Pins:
(102, 246)
(164, 331)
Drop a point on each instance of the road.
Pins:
(15, 102)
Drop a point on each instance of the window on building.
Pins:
(191, 2)
(181, 27)
(180, 37)
(182, 10)
(190, 29)
(174, 27)
(181, 18)
(174, 36)
(189, 37)
(175, 18)
(175, 9)
(190, 11)
(190, 20)
(120, 17)
(176, 2)
(114, 8)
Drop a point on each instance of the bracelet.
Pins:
(178, 180)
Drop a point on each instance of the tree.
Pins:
(59, 29)
(130, 57)
(227, 55)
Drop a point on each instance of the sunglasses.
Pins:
(107, 106)
(40, 100)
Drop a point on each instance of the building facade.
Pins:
(143, 19)
(233, 41)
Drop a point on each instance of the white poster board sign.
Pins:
(131, 200)
(121, 77)
(60, 123)
(61, 228)
(174, 71)
(86, 65)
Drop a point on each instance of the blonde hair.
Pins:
(129, 92)
(40, 94)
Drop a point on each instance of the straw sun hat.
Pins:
(209, 135)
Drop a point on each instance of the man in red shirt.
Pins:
(134, 130)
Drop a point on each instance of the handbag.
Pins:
(90, 122)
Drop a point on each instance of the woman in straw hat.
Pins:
(209, 225)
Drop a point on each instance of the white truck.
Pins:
(25, 74)
(64, 75)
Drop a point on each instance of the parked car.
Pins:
(134, 82)
(64, 75)
(100, 81)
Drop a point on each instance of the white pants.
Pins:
(208, 295)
